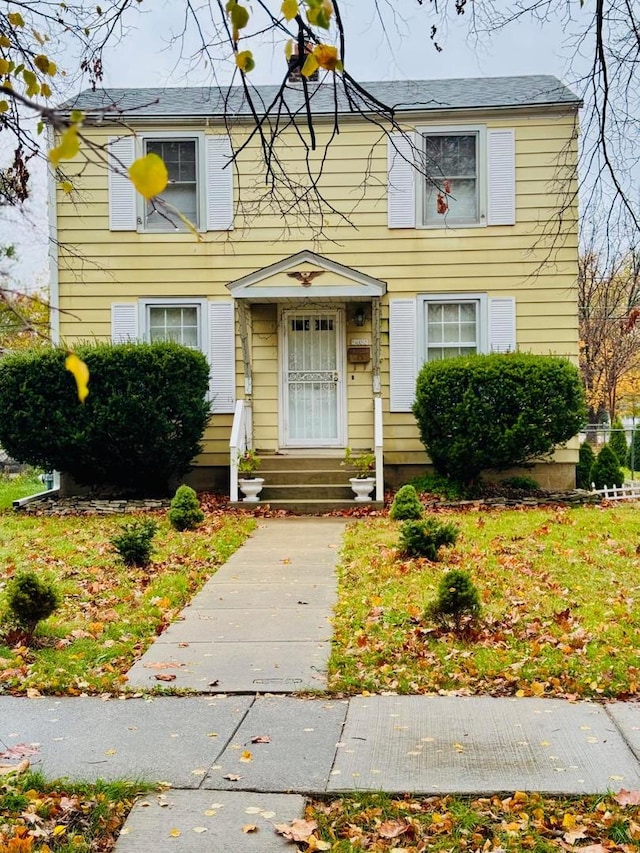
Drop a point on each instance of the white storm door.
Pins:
(312, 379)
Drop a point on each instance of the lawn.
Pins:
(560, 590)
(520, 822)
(14, 487)
(110, 613)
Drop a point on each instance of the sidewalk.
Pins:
(261, 626)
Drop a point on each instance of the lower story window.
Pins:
(451, 328)
(178, 323)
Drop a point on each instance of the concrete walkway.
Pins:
(261, 626)
(262, 623)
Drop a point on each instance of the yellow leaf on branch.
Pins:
(68, 148)
(149, 175)
(80, 373)
(289, 9)
(245, 61)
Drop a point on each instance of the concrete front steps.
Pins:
(307, 485)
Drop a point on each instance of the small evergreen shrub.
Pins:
(457, 598)
(522, 482)
(185, 512)
(586, 458)
(618, 441)
(493, 412)
(134, 542)
(30, 599)
(633, 458)
(425, 538)
(606, 469)
(406, 504)
(436, 484)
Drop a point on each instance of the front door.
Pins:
(312, 411)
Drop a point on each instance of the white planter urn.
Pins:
(362, 486)
(251, 488)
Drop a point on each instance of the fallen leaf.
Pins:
(165, 676)
(232, 777)
(19, 750)
(623, 797)
(392, 828)
(246, 756)
(21, 767)
(174, 832)
(200, 829)
(249, 827)
(261, 739)
(297, 830)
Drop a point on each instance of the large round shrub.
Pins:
(136, 432)
(493, 412)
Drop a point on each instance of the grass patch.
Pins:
(560, 593)
(63, 816)
(110, 612)
(519, 822)
(20, 486)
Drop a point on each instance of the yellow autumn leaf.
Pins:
(41, 62)
(5, 41)
(66, 186)
(149, 175)
(80, 373)
(327, 56)
(4, 66)
(175, 833)
(4, 106)
(289, 9)
(15, 19)
(288, 49)
(59, 830)
(310, 65)
(246, 756)
(245, 61)
(68, 147)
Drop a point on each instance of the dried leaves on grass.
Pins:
(561, 607)
(520, 822)
(110, 613)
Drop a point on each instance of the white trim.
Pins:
(341, 390)
(481, 161)
(52, 213)
(201, 181)
(363, 285)
(480, 299)
(145, 303)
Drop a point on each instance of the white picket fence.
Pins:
(627, 492)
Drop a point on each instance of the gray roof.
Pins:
(403, 96)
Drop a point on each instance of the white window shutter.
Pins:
(401, 192)
(222, 357)
(502, 324)
(124, 322)
(122, 193)
(501, 153)
(402, 354)
(219, 183)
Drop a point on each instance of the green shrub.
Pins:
(443, 487)
(633, 459)
(522, 482)
(406, 504)
(457, 598)
(30, 599)
(134, 542)
(586, 458)
(618, 441)
(606, 469)
(136, 432)
(493, 412)
(185, 512)
(425, 538)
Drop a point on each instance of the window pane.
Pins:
(451, 158)
(174, 323)
(451, 329)
(180, 157)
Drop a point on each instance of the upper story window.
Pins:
(453, 182)
(454, 177)
(182, 192)
(178, 323)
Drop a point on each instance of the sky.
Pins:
(150, 53)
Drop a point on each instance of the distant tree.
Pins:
(618, 441)
(633, 457)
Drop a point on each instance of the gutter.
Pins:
(50, 493)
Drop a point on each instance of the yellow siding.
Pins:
(529, 260)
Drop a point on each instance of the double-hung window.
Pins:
(178, 323)
(182, 193)
(451, 328)
(453, 179)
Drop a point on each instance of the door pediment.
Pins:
(306, 275)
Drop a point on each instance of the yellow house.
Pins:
(315, 329)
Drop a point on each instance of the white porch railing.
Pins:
(378, 447)
(240, 440)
